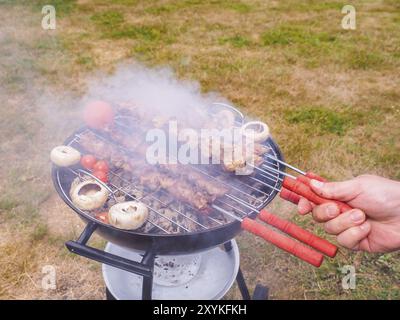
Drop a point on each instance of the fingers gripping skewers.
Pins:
(295, 187)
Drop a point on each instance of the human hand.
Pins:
(374, 224)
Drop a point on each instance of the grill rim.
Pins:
(55, 176)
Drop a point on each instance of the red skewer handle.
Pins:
(283, 242)
(294, 197)
(289, 196)
(299, 233)
(302, 188)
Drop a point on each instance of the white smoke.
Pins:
(155, 91)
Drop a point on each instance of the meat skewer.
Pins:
(149, 176)
(237, 160)
(214, 189)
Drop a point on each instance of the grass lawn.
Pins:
(331, 97)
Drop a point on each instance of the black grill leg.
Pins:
(260, 292)
(109, 296)
(242, 286)
(147, 285)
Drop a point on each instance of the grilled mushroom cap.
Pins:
(88, 195)
(128, 215)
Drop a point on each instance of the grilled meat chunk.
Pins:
(148, 175)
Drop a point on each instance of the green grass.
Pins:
(364, 59)
(63, 7)
(8, 204)
(330, 97)
(237, 41)
(145, 33)
(310, 5)
(289, 35)
(179, 5)
(322, 120)
(114, 27)
(108, 19)
(39, 232)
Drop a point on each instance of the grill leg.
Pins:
(147, 285)
(260, 292)
(109, 296)
(228, 246)
(242, 286)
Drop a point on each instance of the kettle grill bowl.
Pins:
(163, 244)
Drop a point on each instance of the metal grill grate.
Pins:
(247, 194)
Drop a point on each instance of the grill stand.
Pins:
(146, 266)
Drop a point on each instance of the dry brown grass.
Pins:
(349, 79)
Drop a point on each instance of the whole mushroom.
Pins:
(88, 195)
(129, 215)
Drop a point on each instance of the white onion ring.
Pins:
(65, 156)
(129, 215)
(94, 195)
(225, 119)
(259, 136)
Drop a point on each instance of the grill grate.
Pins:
(247, 195)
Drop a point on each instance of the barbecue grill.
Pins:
(247, 196)
(191, 230)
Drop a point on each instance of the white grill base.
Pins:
(207, 275)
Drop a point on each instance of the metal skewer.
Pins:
(286, 164)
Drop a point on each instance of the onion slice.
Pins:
(259, 135)
(65, 156)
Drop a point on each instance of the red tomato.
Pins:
(102, 216)
(101, 175)
(88, 161)
(101, 165)
(98, 114)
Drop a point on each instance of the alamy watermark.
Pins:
(49, 18)
(233, 148)
(349, 20)
(49, 278)
(349, 279)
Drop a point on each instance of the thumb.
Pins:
(344, 191)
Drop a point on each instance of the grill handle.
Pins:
(108, 258)
(79, 247)
(299, 233)
(303, 189)
(285, 243)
